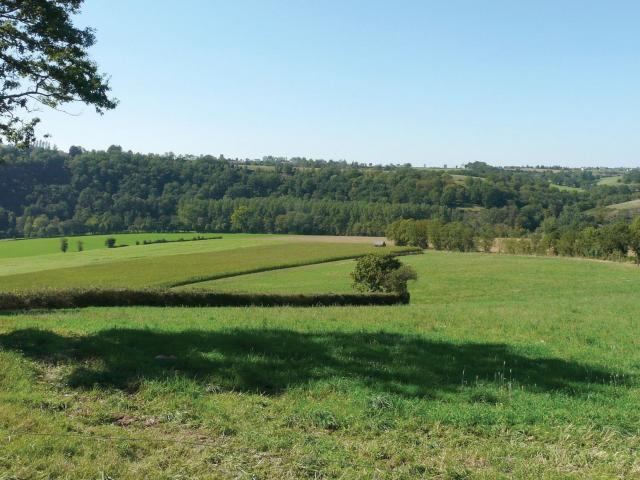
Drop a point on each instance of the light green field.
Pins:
(36, 263)
(162, 270)
(614, 180)
(44, 246)
(501, 367)
(630, 205)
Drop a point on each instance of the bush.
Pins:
(64, 245)
(397, 280)
(110, 242)
(80, 245)
(382, 273)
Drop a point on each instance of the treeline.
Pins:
(455, 236)
(616, 241)
(50, 193)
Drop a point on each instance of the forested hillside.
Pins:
(45, 192)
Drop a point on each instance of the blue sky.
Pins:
(425, 82)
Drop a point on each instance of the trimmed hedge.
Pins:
(57, 299)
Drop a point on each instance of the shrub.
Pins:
(80, 245)
(64, 245)
(382, 273)
(110, 242)
(397, 280)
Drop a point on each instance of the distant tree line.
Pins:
(614, 241)
(45, 192)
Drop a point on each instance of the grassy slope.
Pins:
(614, 180)
(44, 246)
(23, 264)
(169, 270)
(501, 367)
(630, 205)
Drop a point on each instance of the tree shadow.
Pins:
(270, 361)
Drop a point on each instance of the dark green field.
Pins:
(501, 367)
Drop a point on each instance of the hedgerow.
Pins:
(81, 298)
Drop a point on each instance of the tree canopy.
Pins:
(44, 61)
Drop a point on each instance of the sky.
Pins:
(422, 82)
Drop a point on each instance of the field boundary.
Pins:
(64, 299)
(220, 276)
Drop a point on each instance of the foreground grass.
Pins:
(173, 270)
(501, 367)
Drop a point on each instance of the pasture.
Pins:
(625, 206)
(42, 246)
(501, 367)
(169, 265)
(612, 180)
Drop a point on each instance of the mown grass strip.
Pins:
(61, 299)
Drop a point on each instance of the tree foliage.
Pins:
(44, 61)
(382, 273)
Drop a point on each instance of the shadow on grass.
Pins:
(271, 361)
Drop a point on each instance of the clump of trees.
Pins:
(441, 236)
(382, 273)
(614, 241)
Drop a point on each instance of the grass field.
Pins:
(162, 270)
(630, 205)
(501, 367)
(44, 246)
(614, 180)
(10, 265)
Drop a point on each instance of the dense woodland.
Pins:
(45, 192)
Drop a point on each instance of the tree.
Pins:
(44, 60)
(615, 239)
(64, 245)
(634, 238)
(240, 219)
(487, 238)
(381, 273)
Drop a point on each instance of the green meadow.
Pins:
(612, 180)
(186, 263)
(500, 367)
(43, 246)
